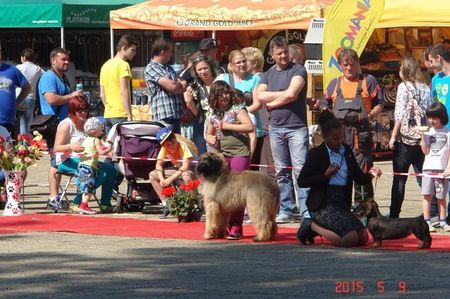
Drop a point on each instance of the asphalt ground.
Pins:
(66, 265)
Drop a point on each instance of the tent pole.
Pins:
(62, 37)
(111, 41)
(213, 34)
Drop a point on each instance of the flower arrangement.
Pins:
(184, 200)
(24, 153)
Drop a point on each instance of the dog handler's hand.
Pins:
(375, 171)
(392, 143)
(446, 173)
(331, 170)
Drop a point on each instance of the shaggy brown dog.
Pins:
(225, 192)
(382, 228)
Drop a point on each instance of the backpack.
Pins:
(413, 116)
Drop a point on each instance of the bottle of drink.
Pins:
(79, 87)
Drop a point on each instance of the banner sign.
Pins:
(348, 25)
(210, 15)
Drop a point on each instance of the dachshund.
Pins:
(384, 228)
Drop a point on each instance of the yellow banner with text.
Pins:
(349, 25)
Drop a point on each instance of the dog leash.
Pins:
(375, 187)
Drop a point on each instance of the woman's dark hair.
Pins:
(438, 110)
(203, 58)
(77, 103)
(243, 98)
(327, 122)
(217, 89)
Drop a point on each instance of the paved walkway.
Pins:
(63, 265)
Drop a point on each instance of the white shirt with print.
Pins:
(438, 141)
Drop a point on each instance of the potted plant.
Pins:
(184, 201)
(15, 158)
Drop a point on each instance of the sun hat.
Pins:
(163, 134)
(92, 125)
(207, 44)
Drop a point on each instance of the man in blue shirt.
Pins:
(439, 57)
(10, 79)
(54, 96)
(54, 87)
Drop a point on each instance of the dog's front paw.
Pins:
(208, 237)
(261, 239)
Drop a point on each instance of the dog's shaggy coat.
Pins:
(225, 192)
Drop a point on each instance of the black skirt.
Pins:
(334, 215)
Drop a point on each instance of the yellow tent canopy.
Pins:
(415, 13)
(412, 13)
(218, 14)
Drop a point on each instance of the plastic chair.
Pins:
(64, 188)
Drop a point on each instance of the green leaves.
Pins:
(182, 202)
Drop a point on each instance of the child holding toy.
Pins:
(435, 145)
(86, 173)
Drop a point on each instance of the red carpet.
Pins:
(128, 227)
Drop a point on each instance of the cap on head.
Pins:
(207, 44)
(163, 134)
(92, 125)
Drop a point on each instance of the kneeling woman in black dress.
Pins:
(329, 172)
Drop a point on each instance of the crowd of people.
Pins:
(251, 117)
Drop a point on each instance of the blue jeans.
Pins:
(199, 137)
(25, 116)
(289, 149)
(106, 176)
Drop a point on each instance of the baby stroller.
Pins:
(135, 142)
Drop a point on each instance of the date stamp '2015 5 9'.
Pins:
(360, 286)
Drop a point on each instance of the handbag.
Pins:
(45, 124)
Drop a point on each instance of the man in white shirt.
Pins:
(33, 73)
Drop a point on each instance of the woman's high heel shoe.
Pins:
(305, 233)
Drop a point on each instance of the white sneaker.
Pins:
(431, 227)
(435, 220)
(446, 227)
(86, 211)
